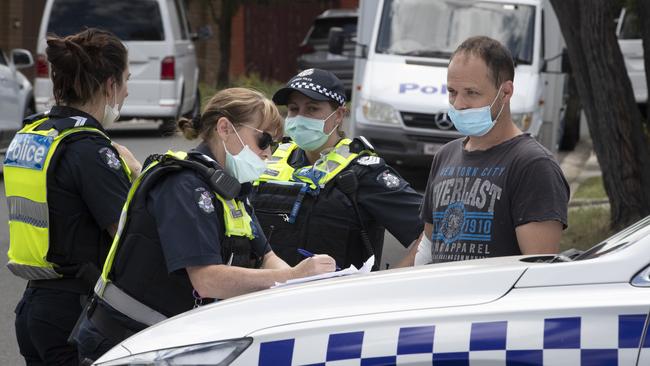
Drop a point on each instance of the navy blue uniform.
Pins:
(190, 230)
(86, 190)
(384, 196)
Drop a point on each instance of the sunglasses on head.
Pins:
(264, 140)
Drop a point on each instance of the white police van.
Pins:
(399, 95)
(162, 57)
(526, 310)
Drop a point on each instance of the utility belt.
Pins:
(82, 283)
(64, 284)
(109, 324)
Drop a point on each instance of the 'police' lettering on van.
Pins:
(424, 89)
(28, 151)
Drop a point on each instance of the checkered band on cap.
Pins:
(320, 90)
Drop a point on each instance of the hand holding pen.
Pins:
(307, 254)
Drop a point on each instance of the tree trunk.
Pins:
(228, 9)
(643, 12)
(606, 95)
(223, 20)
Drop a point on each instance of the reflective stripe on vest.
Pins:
(237, 221)
(277, 168)
(317, 175)
(26, 166)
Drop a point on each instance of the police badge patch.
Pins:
(204, 200)
(109, 157)
(389, 180)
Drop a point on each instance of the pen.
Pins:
(307, 254)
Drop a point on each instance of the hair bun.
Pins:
(196, 122)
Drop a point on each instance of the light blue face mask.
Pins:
(307, 132)
(474, 121)
(245, 166)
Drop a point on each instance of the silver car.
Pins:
(16, 95)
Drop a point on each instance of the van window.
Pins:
(181, 22)
(435, 28)
(128, 20)
(630, 27)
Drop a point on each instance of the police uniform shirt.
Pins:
(190, 221)
(382, 195)
(85, 193)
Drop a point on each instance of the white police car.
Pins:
(592, 310)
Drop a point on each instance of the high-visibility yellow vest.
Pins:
(26, 168)
(315, 176)
(236, 218)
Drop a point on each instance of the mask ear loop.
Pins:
(240, 140)
(115, 95)
(328, 117)
(502, 105)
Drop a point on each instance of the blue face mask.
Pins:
(307, 132)
(474, 121)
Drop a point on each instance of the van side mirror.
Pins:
(21, 58)
(335, 40)
(202, 34)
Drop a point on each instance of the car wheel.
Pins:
(30, 109)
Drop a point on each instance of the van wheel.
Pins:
(167, 127)
(570, 118)
(196, 108)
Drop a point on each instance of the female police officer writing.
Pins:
(65, 186)
(326, 193)
(188, 233)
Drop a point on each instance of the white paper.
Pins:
(367, 266)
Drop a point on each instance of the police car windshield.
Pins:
(621, 240)
(128, 20)
(428, 28)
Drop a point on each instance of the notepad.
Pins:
(352, 270)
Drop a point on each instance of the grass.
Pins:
(591, 188)
(587, 227)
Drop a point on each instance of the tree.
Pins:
(614, 120)
(643, 15)
(223, 19)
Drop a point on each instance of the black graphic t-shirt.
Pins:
(476, 199)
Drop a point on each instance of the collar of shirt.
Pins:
(298, 159)
(61, 111)
(204, 149)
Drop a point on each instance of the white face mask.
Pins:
(111, 114)
(245, 166)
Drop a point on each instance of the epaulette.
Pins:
(360, 144)
(35, 117)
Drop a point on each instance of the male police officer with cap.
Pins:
(325, 193)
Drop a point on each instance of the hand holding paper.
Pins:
(367, 266)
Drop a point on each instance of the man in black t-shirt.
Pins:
(497, 192)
